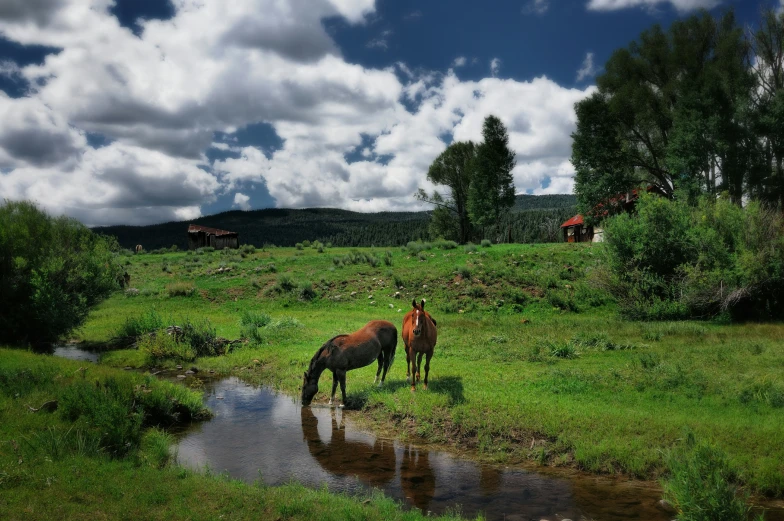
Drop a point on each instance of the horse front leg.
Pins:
(428, 356)
(334, 387)
(342, 380)
(418, 365)
(408, 364)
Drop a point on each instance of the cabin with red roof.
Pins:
(202, 236)
(574, 230)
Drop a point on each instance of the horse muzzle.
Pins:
(417, 332)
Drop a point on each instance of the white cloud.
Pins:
(680, 5)
(587, 69)
(460, 61)
(536, 7)
(242, 201)
(382, 42)
(159, 97)
(495, 66)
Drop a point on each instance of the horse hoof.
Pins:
(408, 379)
(413, 389)
(425, 387)
(379, 384)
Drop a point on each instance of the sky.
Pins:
(146, 111)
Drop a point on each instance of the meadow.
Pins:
(532, 364)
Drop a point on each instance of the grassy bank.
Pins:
(532, 362)
(56, 463)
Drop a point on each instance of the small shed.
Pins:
(574, 230)
(201, 236)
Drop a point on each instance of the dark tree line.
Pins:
(696, 109)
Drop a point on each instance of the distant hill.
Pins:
(286, 227)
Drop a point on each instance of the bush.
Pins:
(486, 243)
(161, 346)
(306, 291)
(52, 272)
(201, 336)
(180, 289)
(284, 284)
(671, 261)
(137, 326)
(702, 486)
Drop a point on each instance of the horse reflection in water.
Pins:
(374, 464)
(417, 478)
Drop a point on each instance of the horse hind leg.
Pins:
(381, 364)
(342, 380)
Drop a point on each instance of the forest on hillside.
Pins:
(533, 219)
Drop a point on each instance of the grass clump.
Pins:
(702, 486)
(139, 325)
(160, 345)
(180, 289)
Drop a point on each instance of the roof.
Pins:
(574, 221)
(195, 228)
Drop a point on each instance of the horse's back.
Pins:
(385, 332)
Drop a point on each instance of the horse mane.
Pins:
(326, 346)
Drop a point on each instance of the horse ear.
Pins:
(413, 303)
(423, 304)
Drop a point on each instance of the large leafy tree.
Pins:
(453, 168)
(672, 112)
(492, 193)
(52, 271)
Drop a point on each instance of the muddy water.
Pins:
(258, 434)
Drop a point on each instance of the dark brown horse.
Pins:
(376, 341)
(419, 336)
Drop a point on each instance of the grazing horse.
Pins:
(419, 336)
(138, 248)
(376, 341)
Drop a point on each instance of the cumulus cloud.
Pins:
(242, 201)
(495, 66)
(160, 96)
(680, 5)
(460, 61)
(587, 69)
(536, 7)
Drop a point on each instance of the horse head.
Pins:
(418, 318)
(309, 387)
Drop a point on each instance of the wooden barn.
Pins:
(202, 236)
(575, 230)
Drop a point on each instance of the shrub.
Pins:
(306, 291)
(284, 284)
(702, 485)
(160, 346)
(201, 336)
(52, 272)
(251, 318)
(470, 248)
(486, 243)
(137, 326)
(180, 289)
(299, 246)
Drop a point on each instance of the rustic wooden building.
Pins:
(575, 230)
(201, 236)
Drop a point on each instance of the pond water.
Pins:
(259, 434)
(75, 353)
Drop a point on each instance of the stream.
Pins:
(259, 434)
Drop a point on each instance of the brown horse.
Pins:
(138, 248)
(376, 341)
(419, 336)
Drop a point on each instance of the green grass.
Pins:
(527, 350)
(57, 465)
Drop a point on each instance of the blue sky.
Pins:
(143, 111)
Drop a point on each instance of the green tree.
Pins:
(672, 111)
(492, 192)
(52, 271)
(453, 168)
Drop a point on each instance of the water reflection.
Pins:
(256, 432)
(75, 353)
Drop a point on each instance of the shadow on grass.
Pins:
(452, 386)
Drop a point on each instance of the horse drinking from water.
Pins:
(419, 336)
(376, 341)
